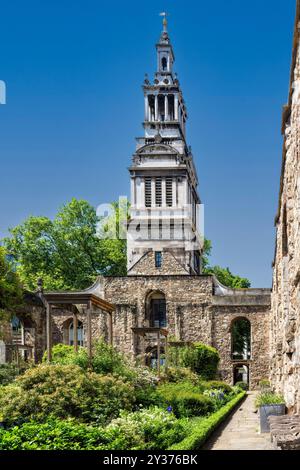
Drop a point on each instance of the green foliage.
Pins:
(52, 435)
(8, 373)
(62, 354)
(67, 251)
(201, 429)
(147, 429)
(201, 359)
(62, 392)
(106, 360)
(179, 374)
(218, 385)
(241, 336)
(224, 275)
(154, 428)
(185, 399)
(242, 385)
(269, 398)
(11, 294)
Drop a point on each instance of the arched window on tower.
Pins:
(164, 64)
(241, 339)
(156, 311)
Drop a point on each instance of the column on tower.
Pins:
(166, 108)
(146, 108)
(176, 107)
(156, 108)
(133, 198)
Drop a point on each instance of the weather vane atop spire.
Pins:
(165, 23)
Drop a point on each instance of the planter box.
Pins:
(269, 410)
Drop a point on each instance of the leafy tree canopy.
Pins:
(11, 295)
(71, 250)
(224, 275)
(65, 252)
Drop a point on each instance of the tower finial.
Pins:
(165, 22)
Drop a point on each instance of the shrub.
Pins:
(63, 354)
(185, 400)
(8, 373)
(218, 385)
(202, 359)
(53, 435)
(179, 374)
(268, 398)
(200, 431)
(148, 429)
(62, 392)
(151, 429)
(242, 385)
(106, 360)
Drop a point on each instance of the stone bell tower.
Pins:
(165, 215)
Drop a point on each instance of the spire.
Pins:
(164, 37)
(165, 23)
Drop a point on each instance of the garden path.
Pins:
(241, 430)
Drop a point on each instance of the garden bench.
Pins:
(285, 432)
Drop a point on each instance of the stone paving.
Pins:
(241, 430)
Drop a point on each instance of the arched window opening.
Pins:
(80, 334)
(241, 374)
(17, 331)
(241, 339)
(164, 63)
(156, 311)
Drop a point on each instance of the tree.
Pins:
(66, 252)
(224, 275)
(11, 294)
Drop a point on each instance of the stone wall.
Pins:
(188, 300)
(198, 309)
(146, 265)
(285, 319)
(224, 315)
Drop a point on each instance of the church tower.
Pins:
(165, 206)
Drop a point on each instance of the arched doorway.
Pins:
(241, 339)
(156, 311)
(241, 374)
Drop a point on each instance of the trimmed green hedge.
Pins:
(199, 434)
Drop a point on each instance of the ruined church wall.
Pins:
(285, 319)
(259, 317)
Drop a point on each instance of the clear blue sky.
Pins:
(74, 71)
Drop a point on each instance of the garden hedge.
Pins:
(199, 434)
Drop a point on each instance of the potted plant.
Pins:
(269, 404)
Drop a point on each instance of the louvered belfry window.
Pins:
(169, 192)
(148, 192)
(158, 192)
